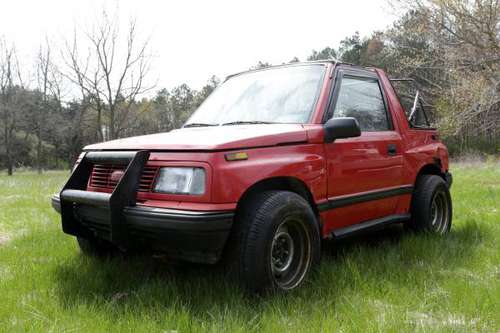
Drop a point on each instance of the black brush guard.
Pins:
(197, 236)
(124, 194)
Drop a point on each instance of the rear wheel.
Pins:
(275, 242)
(96, 247)
(431, 207)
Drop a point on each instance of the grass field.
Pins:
(391, 281)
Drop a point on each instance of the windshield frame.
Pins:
(233, 76)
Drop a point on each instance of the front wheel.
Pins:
(431, 207)
(277, 242)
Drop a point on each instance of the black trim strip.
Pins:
(165, 219)
(358, 198)
(369, 225)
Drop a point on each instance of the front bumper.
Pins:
(187, 235)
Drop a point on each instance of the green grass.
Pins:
(391, 281)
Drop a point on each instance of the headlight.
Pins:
(181, 180)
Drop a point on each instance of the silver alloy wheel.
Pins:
(440, 213)
(290, 256)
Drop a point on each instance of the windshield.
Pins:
(277, 95)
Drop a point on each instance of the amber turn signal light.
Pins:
(236, 156)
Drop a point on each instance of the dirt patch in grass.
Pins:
(4, 238)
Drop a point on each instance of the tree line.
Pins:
(97, 85)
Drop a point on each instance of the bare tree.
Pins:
(464, 65)
(45, 74)
(112, 73)
(10, 79)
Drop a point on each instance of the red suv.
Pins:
(274, 161)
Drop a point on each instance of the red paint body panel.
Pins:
(305, 162)
(361, 165)
(330, 171)
(211, 138)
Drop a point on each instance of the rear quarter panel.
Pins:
(420, 146)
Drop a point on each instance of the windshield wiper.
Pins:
(247, 122)
(198, 125)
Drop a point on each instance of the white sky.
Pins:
(193, 40)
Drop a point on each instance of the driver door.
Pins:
(364, 173)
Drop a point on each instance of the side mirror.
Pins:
(340, 128)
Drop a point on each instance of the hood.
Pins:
(211, 138)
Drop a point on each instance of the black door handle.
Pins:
(391, 149)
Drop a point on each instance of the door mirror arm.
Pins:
(341, 128)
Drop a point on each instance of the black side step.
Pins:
(369, 225)
(124, 194)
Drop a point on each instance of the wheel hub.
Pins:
(282, 251)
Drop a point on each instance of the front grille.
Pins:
(148, 178)
(101, 177)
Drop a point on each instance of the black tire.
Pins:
(275, 242)
(431, 208)
(95, 247)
